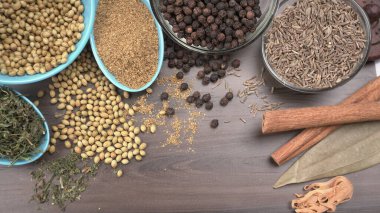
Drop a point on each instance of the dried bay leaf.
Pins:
(349, 149)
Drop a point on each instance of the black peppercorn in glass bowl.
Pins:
(215, 26)
(364, 23)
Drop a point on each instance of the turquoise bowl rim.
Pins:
(44, 142)
(111, 77)
(28, 79)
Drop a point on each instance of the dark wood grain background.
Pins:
(229, 170)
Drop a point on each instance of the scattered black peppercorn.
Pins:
(196, 95)
(214, 124)
(164, 96)
(214, 77)
(206, 97)
(170, 111)
(179, 75)
(199, 103)
(201, 74)
(229, 96)
(221, 73)
(184, 86)
(235, 63)
(190, 99)
(224, 101)
(206, 80)
(209, 105)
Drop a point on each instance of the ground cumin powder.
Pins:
(127, 41)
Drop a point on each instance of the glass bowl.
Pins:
(367, 29)
(268, 10)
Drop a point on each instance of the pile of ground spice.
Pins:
(127, 41)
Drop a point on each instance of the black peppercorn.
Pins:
(214, 124)
(221, 73)
(196, 95)
(201, 74)
(170, 111)
(224, 101)
(184, 86)
(235, 63)
(206, 80)
(164, 96)
(209, 105)
(229, 96)
(199, 103)
(190, 99)
(179, 75)
(186, 68)
(214, 77)
(206, 97)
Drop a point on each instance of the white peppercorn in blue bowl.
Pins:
(112, 77)
(88, 21)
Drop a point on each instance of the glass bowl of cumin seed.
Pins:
(263, 15)
(298, 69)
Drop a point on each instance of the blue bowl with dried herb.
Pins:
(24, 132)
(128, 43)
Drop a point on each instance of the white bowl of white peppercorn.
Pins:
(308, 60)
(42, 39)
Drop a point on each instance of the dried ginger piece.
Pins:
(324, 197)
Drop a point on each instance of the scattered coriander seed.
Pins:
(190, 99)
(36, 102)
(184, 86)
(206, 97)
(235, 63)
(224, 101)
(170, 111)
(179, 75)
(40, 94)
(149, 91)
(205, 80)
(229, 96)
(119, 173)
(214, 77)
(209, 105)
(214, 124)
(199, 103)
(126, 94)
(164, 96)
(153, 128)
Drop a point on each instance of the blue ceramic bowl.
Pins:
(89, 19)
(44, 143)
(111, 77)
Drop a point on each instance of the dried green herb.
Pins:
(350, 149)
(21, 128)
(62, 181)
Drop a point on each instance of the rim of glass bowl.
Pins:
(264, 23)
(367, 29)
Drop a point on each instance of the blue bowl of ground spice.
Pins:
(111, 77)
(44, 142)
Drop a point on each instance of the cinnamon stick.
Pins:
(310, 117)
(309, 137)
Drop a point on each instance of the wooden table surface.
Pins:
(229, 170)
